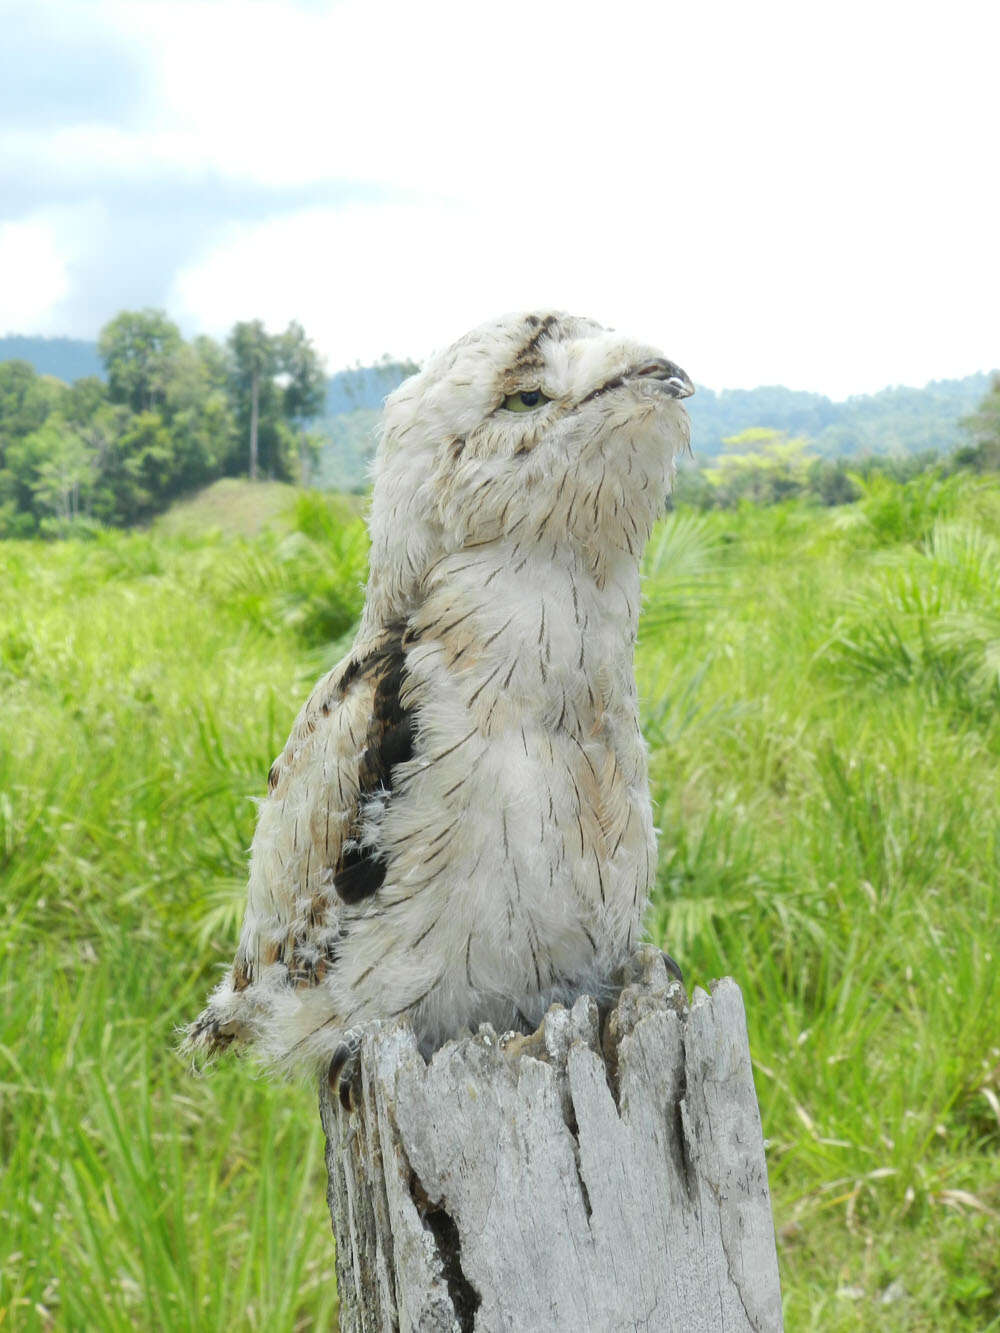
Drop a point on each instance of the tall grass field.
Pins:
(821, 701)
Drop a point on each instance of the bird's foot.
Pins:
(345, 1068)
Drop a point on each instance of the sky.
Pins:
(774, 192)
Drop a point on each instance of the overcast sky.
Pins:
(773, 192)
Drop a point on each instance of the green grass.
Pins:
(820, 694)
(232, 506)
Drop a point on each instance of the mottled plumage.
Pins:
(459, 826)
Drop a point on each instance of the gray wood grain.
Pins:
(559, 1181)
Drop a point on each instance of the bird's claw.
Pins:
(345, 1068)
(673, 967)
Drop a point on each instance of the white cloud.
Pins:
(367, 279)
(33, 274)
(778, 192)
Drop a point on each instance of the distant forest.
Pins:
(892, 421)
(164, 417)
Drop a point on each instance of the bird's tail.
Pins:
(230, 1019)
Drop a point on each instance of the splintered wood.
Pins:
(590, 1177)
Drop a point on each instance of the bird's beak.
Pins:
(679, 385)
(674, 381)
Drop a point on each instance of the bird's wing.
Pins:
(308, 861)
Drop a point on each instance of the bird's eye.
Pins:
(524, 401)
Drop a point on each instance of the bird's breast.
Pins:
(506, 638)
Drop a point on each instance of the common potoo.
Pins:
(459, 827)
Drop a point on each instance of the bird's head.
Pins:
(541, 425)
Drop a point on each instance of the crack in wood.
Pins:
(448, 1243)
(441, 1225)
(569, 1115)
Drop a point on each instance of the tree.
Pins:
(830, 482)
(301, 366)
(84, 399)
(99, 433)
(255, 365)
(181, 426)
(26, 400)
(46, 467)
(23, 457)
(198, 415)
(136, 468)
(984, 427)
(761, 465)
(137, 348)
(277, 384)
(65, 473)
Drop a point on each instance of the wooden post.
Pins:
(571, 1180)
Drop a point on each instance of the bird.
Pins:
(459, 829)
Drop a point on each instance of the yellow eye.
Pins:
(525, 401)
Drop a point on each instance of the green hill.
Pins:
(235, 507)
(232, 505)
(68, 359)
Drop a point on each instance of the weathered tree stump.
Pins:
(560, 1181)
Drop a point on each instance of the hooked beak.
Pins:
(675, 382)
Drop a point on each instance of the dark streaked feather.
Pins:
(389, 741)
